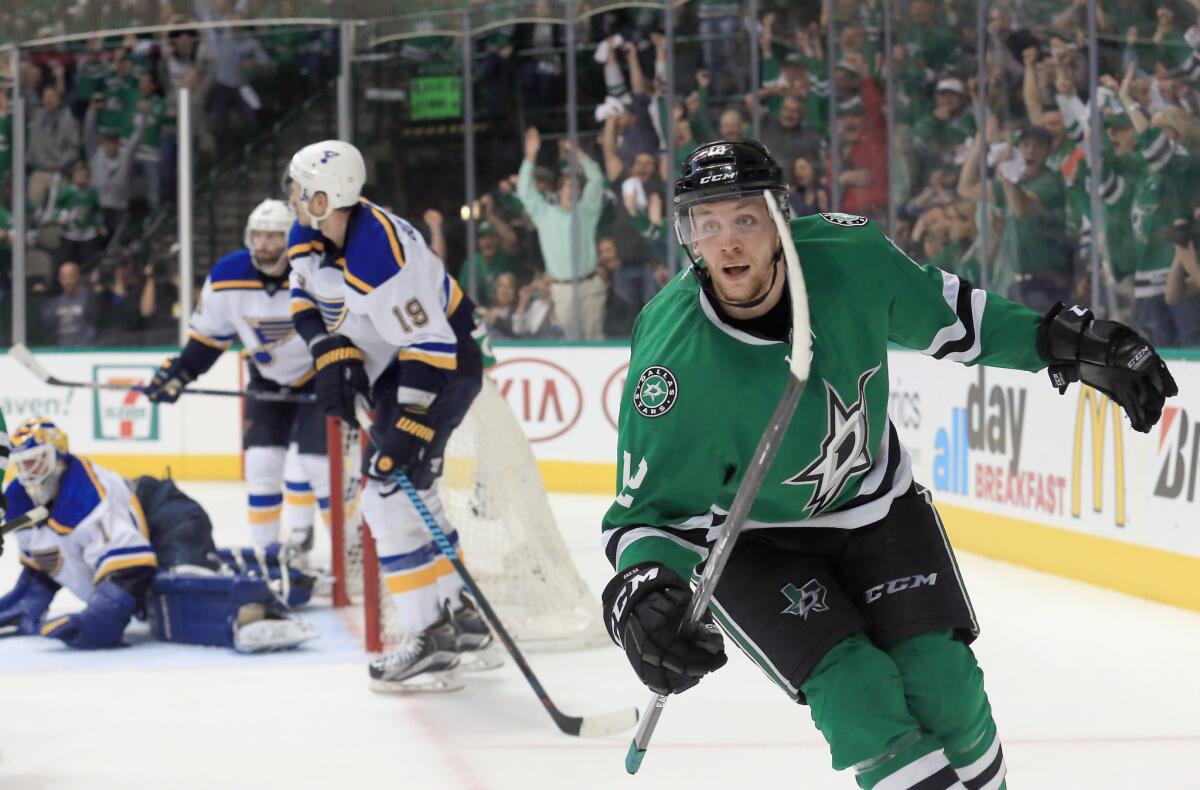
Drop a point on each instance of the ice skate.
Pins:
(475, 642)
(424, 662)
(299, 545)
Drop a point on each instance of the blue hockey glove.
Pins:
(402, 448)
(341, 376)
(168, 382)
(101, 624)
(644, 608)
(27, 602)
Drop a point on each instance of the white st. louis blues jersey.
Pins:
(96, 527)
(236, 304)
(387, 292)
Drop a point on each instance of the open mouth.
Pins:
(735, 270)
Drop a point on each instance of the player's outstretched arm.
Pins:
(1108, 356)
(644, 609)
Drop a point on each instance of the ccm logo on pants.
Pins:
(899, 585)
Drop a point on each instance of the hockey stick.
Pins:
(587, 726)
(798, 365)
(30, 518)
(21, 353)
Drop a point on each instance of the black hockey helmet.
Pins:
(725, 170)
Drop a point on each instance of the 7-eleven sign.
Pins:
(123, 415)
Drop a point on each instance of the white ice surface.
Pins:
(1091, 689)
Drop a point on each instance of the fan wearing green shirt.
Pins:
(77, 209)
(491, 259)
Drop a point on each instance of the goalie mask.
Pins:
(332, 167)
(39, 456)
(721, 171)
(266, 236)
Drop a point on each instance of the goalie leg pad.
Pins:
(293, 585)
(195, 607)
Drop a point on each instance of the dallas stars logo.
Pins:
(656, 391)
(802, 600)
(847, 220)
(844, 450)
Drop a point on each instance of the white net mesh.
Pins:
(493, 495)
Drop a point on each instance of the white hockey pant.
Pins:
(306, 480)
(418, 577)
(264, 489)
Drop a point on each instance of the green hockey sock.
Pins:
(857, 700)
(943, 685)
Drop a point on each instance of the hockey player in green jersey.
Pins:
(843, 587)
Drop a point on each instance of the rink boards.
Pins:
(1021, 473)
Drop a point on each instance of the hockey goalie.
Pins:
(136, 550)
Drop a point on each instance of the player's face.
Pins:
(268, 250)
(737, 240)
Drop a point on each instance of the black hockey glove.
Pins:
(168, 382)
(341, 376)
(1108, 356)
(644, 609)
(402, 448)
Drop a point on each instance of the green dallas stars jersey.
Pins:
(699, 394)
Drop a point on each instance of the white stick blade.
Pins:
(801, 358)
(25, 358)
(608, 723)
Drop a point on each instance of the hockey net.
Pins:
(493, 495)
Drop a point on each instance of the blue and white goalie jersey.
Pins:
(238, 304)
(387, 292)
(96, 527)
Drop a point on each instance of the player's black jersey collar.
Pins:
(722, 322)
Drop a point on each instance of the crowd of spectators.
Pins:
(105, 145)
(101, 158)
(1038, 189)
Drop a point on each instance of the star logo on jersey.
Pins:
(656, 391)
(844, 451)
(847, 220)
(806, 599)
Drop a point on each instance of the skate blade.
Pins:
(424, 683)
(482, 660)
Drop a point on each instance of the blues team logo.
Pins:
(656, 391)
(846, 220)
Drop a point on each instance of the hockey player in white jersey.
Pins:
(245, 298)
(126, 560)
(383, 318)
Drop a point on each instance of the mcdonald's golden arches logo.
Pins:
(1093, 405)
